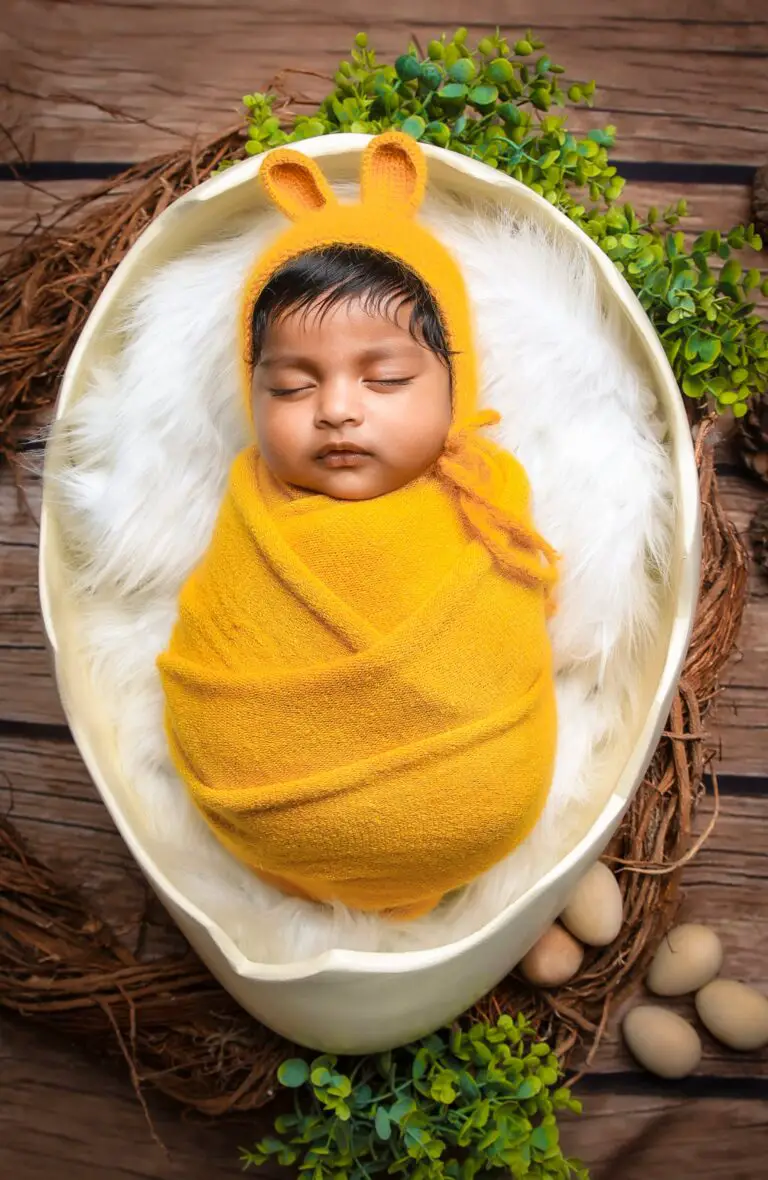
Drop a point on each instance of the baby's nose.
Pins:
(339, 403)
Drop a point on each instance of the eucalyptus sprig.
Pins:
(502, 104)
(697, 296)
(453, 1106)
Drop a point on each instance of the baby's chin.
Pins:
(351, 485)
(365, 482)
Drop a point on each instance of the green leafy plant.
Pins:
(459, 1104)
(500, 103)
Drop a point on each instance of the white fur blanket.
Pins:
(147, 450)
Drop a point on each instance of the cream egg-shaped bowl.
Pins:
(349, 1001)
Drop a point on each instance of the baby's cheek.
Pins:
(426, 425)
(279, 432)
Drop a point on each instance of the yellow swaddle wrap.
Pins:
(359, 693)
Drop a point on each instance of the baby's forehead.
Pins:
(349, 322)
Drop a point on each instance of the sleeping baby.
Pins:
(359, 687)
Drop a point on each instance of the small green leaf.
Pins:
(382, 1123)
(543, 1138)
(499, 71)
(710, 349)
(483, 96)
(431, 76)
(341, 1086)
(402, 1108)
(731, 272)
(438, 133)
(528, 1089)
(269, 1146)
(414, 126)
(293, 1073)
(462, 70)
(512, 115)
(419, 1068)
(252, 1159)
(407, 67)
(603, 136)
(452, 92)
(693, 386)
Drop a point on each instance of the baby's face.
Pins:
(349, 404)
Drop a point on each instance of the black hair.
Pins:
(329, 276)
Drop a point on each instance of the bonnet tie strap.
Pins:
(493, 494)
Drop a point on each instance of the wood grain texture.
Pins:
(679, 88)
(639, 1137)
(70, 1118)
(27, 689)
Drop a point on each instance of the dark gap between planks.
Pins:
(706, 1086)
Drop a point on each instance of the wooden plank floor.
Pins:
(687, 85)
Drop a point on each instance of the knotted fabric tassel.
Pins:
(494, 497)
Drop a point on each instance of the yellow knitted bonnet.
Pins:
(392, 184)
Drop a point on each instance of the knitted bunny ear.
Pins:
(393, 173)
(295, 183)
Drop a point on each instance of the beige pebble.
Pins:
(554, 959)
(734, 1013)
(594, 912)
(662, 1041)
(689, 957)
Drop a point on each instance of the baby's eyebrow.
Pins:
(387, 350)
(382, 351)
(283, 358)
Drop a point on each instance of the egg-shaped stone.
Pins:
(595, 911)
(734, 1013)
(554, 959)
(689, 957)
(661, 1041)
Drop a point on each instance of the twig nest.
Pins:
(554, 959)
(661, 1041)
(595, 911)
(734, 1013)
(689, 957)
